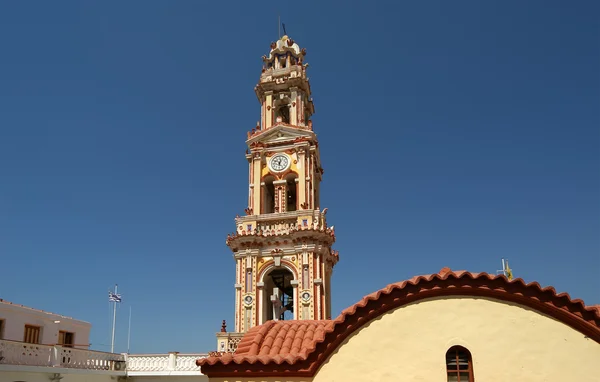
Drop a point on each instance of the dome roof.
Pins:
(283, 45)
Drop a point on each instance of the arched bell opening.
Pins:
(282, 109)
(282, 113)
(282, 61)
(268, 195)
(291, 192)
(278, 295)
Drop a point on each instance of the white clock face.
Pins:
(279, 162)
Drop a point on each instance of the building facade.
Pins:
(21, 323)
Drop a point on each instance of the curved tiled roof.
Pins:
(298, 348)
(277, 341)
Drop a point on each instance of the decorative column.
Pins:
(280, 197)
(318, 281)
(250, 188)
(301, 179)
(260, 301)
(294, 106)
(269, 109)
(238, 299)
(256, 205)
(296, 302)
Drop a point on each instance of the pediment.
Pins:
(280, 133)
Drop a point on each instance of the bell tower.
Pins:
(282, 246)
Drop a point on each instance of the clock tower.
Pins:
(282, 246)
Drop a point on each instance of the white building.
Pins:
(21, 323)
(37, 346)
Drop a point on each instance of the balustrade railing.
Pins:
(21, 353)
(282, 222)
(163, 362)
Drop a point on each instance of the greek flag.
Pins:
(114, 297)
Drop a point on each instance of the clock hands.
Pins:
(279, 162)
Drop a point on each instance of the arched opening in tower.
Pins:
(283, 111)
(282, 61)
(278, 295)
(268, 195)
(291, 192)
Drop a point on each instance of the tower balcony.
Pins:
(292, 71)
(253, 229)
(282, 220)
(282, 78)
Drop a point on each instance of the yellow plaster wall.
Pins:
(283, 379)
(508, 343)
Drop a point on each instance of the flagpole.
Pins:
(112, 342)
(129, 331)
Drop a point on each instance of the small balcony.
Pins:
(21, 354)
(255, 230)
(284, 221)
(228, 342)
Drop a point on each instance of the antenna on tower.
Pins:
(278, 26)
(283, 26)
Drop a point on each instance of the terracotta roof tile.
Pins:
(278, 341)
(299, 347)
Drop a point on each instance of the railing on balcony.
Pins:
(21, 353)
(283, 222)
(163, 362)
(292, 71)
(228, 342)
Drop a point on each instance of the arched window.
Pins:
(291, 191)
(268, 196)
(459, 365)
(283, 111)
(282, 60)
(278, 301)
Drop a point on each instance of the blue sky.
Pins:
(451, 134)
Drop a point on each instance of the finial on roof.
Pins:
(224, 327)
(444, 271)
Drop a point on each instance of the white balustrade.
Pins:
(88, 359)
(150, 362)
(21, 353)
(187, 362)
(163, 362)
